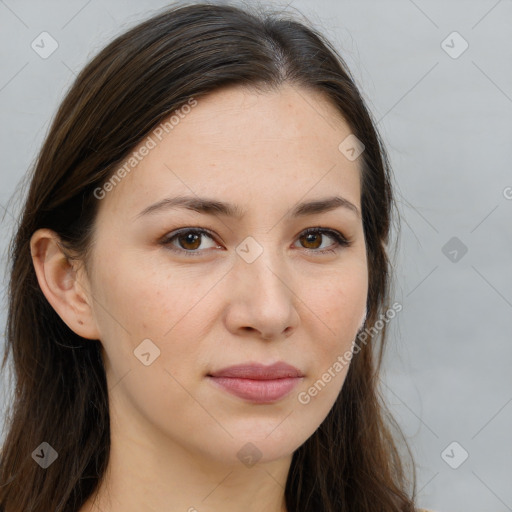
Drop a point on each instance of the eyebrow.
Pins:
(219, 208)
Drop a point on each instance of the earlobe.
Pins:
(60, 283)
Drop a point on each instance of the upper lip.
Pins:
(257, 371)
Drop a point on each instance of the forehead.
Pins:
(237, 143)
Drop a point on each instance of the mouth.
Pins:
(258, 383)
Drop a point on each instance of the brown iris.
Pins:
(190, 238)
(310, 237)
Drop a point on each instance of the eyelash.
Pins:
(340, 240)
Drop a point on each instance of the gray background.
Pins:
(447, 124)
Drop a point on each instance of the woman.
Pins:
(200, 280)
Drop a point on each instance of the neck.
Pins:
(148, 472)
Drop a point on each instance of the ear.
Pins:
(65, 288)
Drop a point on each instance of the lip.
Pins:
(256, 382)
(257, 371)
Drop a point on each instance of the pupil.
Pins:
(310, 237)
(190, 238)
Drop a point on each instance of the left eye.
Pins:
(312, 235)
(190, 240)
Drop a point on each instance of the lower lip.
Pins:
(257, 391)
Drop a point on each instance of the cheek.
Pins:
(340, 303)
(339, 307)
(140, 298)
(127, 303)
(142, 304)
(167, 306)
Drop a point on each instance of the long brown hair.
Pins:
(351, 462)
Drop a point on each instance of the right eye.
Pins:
(189, 240)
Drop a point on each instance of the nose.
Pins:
(261, 299)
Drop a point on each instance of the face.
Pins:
(179, 294)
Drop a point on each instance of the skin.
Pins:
(175, 436)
